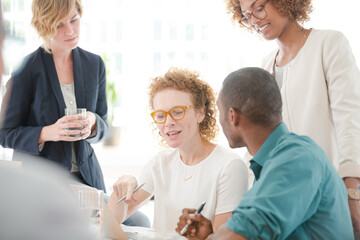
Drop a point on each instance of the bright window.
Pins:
(142, 39)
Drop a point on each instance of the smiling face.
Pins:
(272, 25)
(68, 30)
(184, 132)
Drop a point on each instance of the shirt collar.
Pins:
(270, 143)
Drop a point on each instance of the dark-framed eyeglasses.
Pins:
(259, 12)
(177, 113)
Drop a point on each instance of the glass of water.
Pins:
(76, 111)
(91, 205)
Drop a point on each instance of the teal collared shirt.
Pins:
(298, 193)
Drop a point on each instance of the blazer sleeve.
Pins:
(101, 107)
(343, 79)
(18, 129)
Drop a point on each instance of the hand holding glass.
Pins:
(76, 111)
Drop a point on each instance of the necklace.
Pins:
(293, 54)
(185, 179)
(188, 172)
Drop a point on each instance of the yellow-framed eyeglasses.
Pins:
(177, 113)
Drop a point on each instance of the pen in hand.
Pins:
(135, 190)
(197, 212)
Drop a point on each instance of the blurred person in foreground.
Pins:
(319, 80)
(297, 194)
(56, 76)
(2, 36)
(37, 203)
(195, 169)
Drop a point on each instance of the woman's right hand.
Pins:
(125, 185)
(59, 130)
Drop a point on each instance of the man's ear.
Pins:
(234, 117)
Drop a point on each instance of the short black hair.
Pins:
(254, 93)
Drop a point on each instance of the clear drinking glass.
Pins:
(91, 205)
(76, 111)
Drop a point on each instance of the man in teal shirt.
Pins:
(297, 193)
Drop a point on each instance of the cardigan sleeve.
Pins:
(343, 80)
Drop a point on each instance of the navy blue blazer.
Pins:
(34, 100)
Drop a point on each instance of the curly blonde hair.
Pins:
(296, 10)
(47, 14)
(202, 95)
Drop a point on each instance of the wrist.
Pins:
(44, 135)
(353, 194)
(41, 137)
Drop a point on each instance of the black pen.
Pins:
(197, 212)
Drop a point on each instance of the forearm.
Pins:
(352, 182)
(220, 219)
(125, 209)
(119, 210)
(43, 135)
(225, 234)
(354, 204)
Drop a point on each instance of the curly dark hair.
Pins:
(202, 95)
(296, 10)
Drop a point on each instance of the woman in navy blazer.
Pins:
(57, 75)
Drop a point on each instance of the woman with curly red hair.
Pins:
(195, 169)
(319, 82)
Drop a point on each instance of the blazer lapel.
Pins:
(78, 79)
(54, 81)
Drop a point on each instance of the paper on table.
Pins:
(149, 233)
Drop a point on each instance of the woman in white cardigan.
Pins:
(318, 78)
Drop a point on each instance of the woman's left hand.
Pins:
(89, 125)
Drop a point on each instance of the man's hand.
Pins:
(354, 205)
(199, 226)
